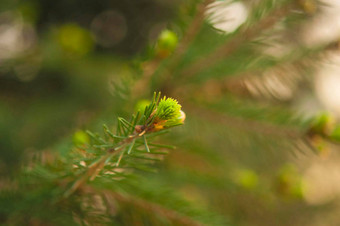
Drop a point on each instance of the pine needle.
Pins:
(146, 144)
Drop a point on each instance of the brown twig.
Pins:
(94, 169)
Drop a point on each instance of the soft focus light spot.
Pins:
(322, 183)
(227, 16)
(75, 40)
(246, 178)
(327, 84)
(324, 27)
(109, 28)
(155, 30)
(16, 37)
(275, 83)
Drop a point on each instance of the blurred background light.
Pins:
(109, 28)
(227, 15)
(327, 84)
(15, 35)
(325, 26)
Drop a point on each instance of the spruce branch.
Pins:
(150, 67)
(287, 71)
(247, 34)
(159, 115)
(154, 208)
(263, 128)
(190, 34)
(319, 132)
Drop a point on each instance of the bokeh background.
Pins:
(73, 65)
(57, 60)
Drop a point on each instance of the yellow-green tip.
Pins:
(168, 114)
(168, 109)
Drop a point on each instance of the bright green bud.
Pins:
(167, 40)
(80, 138)
(322, 123)
(176, 120)
(167, 109)
(166, 43)
(168, 113)
(289, 182)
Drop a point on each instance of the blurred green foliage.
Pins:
(69, 66)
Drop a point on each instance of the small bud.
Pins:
(167, 114)
(80, 138)
(322, 124)
(166, 43)
(289, 183)
(168, 108)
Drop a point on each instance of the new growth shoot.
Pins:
(161, 114)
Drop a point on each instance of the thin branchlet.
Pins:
(160, 114)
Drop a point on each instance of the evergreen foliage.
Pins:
(235, 161)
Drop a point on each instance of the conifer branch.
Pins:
(190, 34)
(240, 38)
(97, 166)
(287, 71)
(150, 67)
(148, 206)
(235, 83)
(263, 128)
(159, 115)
